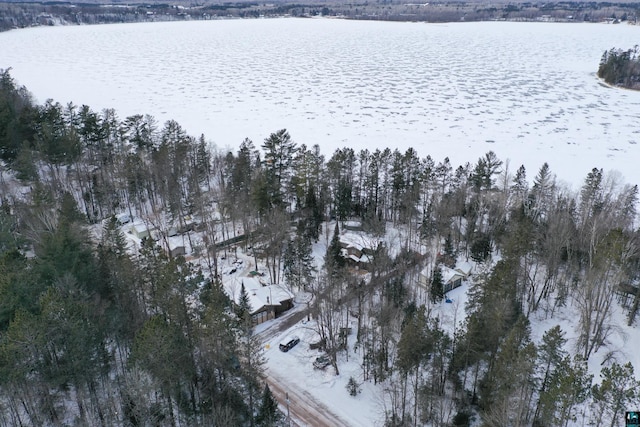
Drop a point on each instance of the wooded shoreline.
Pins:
(22, 15)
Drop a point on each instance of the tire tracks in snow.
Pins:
(304, 409)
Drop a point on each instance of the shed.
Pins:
(140, 230)
(464, 268)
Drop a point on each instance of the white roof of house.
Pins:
(260, 293)
(362, 259)
(138, 227)
(358, 241)
(449, 274)
(123, 218)
(465, 267)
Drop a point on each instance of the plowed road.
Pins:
(304, 409)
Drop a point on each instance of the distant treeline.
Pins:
(27, 14)
(621, 68)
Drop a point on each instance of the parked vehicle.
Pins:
(288, 343)
(321, 362)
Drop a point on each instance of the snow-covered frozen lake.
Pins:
(527, 91)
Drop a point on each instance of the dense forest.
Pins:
(95, 333)
(621, 68)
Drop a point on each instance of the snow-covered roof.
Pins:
(449, 274)
(260, 293)
(461, 271)
(358, 241)
(353, 225)
(465, 267)
(140, 229)
(123, 218)
(361, 259)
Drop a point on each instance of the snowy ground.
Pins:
(294, 369)
(319, 396)
(527, 91)
(295, 372)
(622, 345)
(454, 90)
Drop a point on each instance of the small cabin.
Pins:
(140, 230)
(267, 301)
(358, 252)
(451, 278)
(464, 268)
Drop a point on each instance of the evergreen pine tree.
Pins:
(437, 285)
(618, 390)
(243, 308)
(449, 252)
(353, 387)
(313, 213)
(279, 151)
(298, 263)
(428, 224)
(25, 165)
(268, 414)
(567, 387)
(550, 355)
(289, 263)
(480, 250)
(506, 389)
(306, 261)
(520, 184)
(333, 260)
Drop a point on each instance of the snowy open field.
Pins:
(527, 91)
